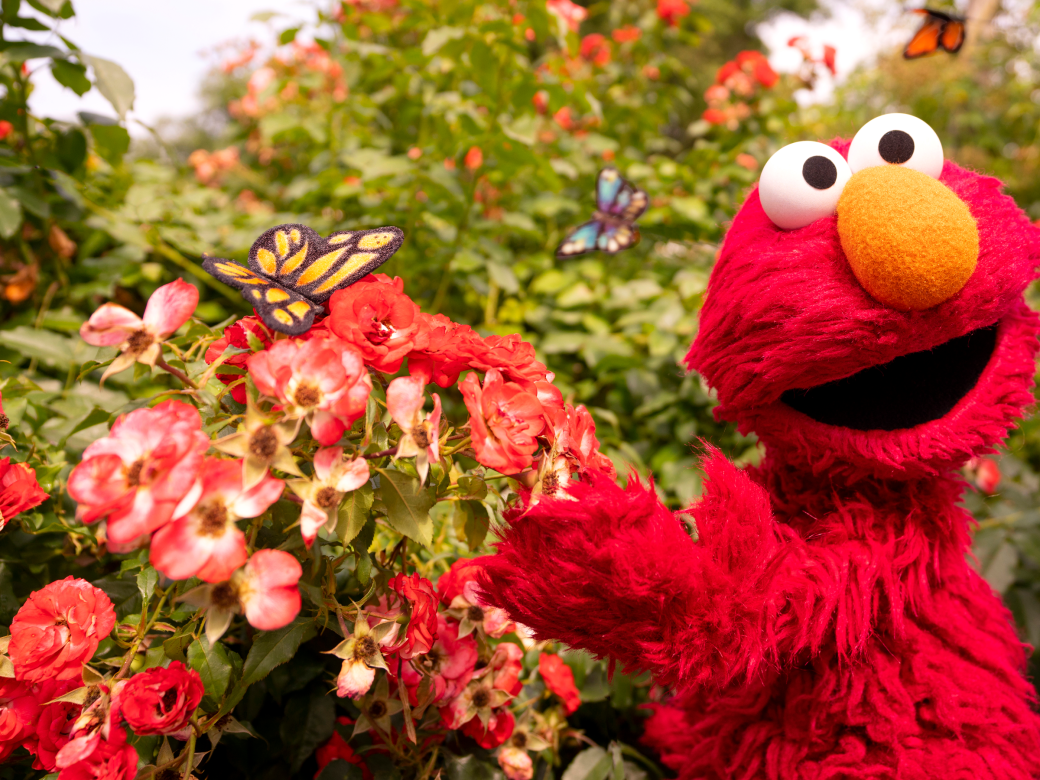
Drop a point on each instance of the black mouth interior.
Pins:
(910, 390)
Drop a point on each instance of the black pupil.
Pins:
(896, 147)
(819, 172)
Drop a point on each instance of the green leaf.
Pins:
(471, 522)
(407, 505)
(353, 513)
(438, 37)
(47, 346)
(114, 83)
(19, 52)
(273, 648)
(71, 148)
(288, 36)
(94, 417)
(110, 142)
(10, 214)
(338, 769)
(593, 763)
(53, 7)
(28, 23)
(213, 666)
(148, 577)
(472, 487)
(307, 723)
(72, 75)
(175, 646)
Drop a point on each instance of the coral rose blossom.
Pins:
(58, 629)
(323, 379)
(419, 438)
(459, 588)
(138, 474)
(516, 763)
(205, 542)
(504, 423)
(18, 490)
(113, 759)
(422, 627)
(450, 662)
(140, 339)
(377, 317)
(447, 352)
(559, 679)
(18, 712)
(53, 725)
(161, 701)
(247, 333)
(335, 475)
(267, 588)
(511, 355)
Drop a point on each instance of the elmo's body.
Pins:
(826, 622)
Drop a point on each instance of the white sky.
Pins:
(167, 46)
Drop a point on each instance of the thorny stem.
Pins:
(176, 372)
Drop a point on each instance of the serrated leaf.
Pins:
(175, 646)
(274, 648)
(147, 579)
(353, 513)
(213, 666)
(113, 83)
(407, 505)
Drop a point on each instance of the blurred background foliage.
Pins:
(477, 127)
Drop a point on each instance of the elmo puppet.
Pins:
(866, 320)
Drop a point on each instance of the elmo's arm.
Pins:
(615, 572)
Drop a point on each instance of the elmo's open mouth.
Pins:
(910, 390)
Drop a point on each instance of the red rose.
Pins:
(511, 355)
(447, 354)
(337, 748)
(500, 728)
(422, 627)
(453, 582)
(112, 760)
(235, 336)
(595, 49)
(559, 679)
(504, 423)
(377, 317)
(18, 712)
(161, 701)
(53, 729)
(18, 490)
(58, 629)
(670, 11)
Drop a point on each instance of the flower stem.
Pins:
(190, 763)
(176, 372)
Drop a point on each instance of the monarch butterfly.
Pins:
(612, 228)
(939, 31)
(293, 270)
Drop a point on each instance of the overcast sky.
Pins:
(167, 46)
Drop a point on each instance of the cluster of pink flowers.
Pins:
(211, 166)
(738, 78)
(71, 725)
(303, 60)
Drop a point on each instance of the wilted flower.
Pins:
(161, 700)
(559, 679)
(516, 763)
(140, 340)
(361, 657)
(322, 379)
(261, 445)
(334, 475)
(459, 589)
(505, 421)
(514, 757)
(58, 629)
(404, 401)
(19, 490)
(450, 663)
(138, 474)
(377, 708)
(490, 688)
(377, 317)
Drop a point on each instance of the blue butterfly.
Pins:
(612, 228)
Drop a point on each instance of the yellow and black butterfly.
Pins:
(293, 270)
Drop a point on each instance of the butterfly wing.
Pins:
(927, 39)
(281, 309)
(618, 197)
(952, 37)
(582, 239)
(617, 237)
(299, 259)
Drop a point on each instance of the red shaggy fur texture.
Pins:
(825, 623)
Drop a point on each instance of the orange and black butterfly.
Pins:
(293, 270)
(939, 31)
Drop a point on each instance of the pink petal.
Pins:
(355, 474)
(143, 516)
(170, 307)
(274, 569)
(257, 499)
(325, 461)
(354, 679)
(434, 420)
(404, 399)
(227, 555)
(177, 551)
(98, 480)
(326, 428)
(311, 521)
(270, 596)
(272, 609)
(109, 326)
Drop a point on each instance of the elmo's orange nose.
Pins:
(911, 242)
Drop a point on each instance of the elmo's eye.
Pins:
(801, 183)
(897, 139)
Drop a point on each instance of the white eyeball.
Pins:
(801, 183)
(897, 139)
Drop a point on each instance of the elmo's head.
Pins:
(866, 314)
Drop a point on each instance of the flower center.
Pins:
(263, 444)
(377, 710)
(327, 497)
(481, 698)
(4, 421)
(550, 484)
(213, 519)
(139, 341)
(223, 596)
(133, 474)
(422, 439)
(431, 662)
(307, 396)
(380, 332)
(168, 699)
(519, 740)
(365, 648)
(475, 614)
